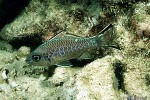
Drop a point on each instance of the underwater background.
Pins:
(111, 74)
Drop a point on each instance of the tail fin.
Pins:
(106, 40)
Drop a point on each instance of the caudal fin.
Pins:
(106, 39)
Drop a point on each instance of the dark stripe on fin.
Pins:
(105, 29)
(115, 45)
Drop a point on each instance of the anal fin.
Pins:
(65, 63)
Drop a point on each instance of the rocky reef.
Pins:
(113, 75)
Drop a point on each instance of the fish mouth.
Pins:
(28, 61)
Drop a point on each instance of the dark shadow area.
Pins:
(119, 73)
(10, 9)
(30, 41)
(80, 63)
(74, 62)
(51, 70)
(147, 79)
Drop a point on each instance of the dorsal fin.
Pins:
(75, 35)
(62, 34)
(105, 29)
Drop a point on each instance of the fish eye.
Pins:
(36, 58)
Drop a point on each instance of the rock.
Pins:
(23, 52)
(140, 20)
(5, 88)
(143, 28)
(6, 57)
(135, 77)
(48, 18)
(60, 76)
(6, 46)
(45, 17)
(44, 76)
(97, 81)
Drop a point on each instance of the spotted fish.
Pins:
(63, 48)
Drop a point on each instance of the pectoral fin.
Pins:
(85, 55)
(64, 63)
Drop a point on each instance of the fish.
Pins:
(63, 48)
